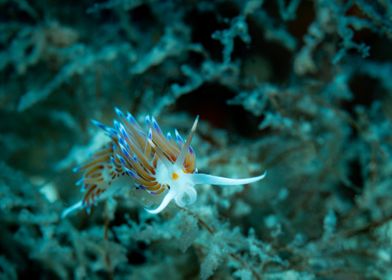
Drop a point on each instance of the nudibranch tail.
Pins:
(148, 160)
(73, 208)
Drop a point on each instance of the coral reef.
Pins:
(300, 88)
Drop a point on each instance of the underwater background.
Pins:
(302, 89)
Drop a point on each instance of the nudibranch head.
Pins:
(148, 160)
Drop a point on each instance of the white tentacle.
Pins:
(166, 200)
(217, 180)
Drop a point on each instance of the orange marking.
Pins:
(175, 176)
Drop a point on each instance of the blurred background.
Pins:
(301, 89)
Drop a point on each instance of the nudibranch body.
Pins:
(147, 160)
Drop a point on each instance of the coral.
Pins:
(299, 88)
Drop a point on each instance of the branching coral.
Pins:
(300, 88)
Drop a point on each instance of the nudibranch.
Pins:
(148, 160)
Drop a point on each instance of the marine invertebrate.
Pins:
(150, 161)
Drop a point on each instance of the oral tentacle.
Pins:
(201, 178)
(166, 200)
